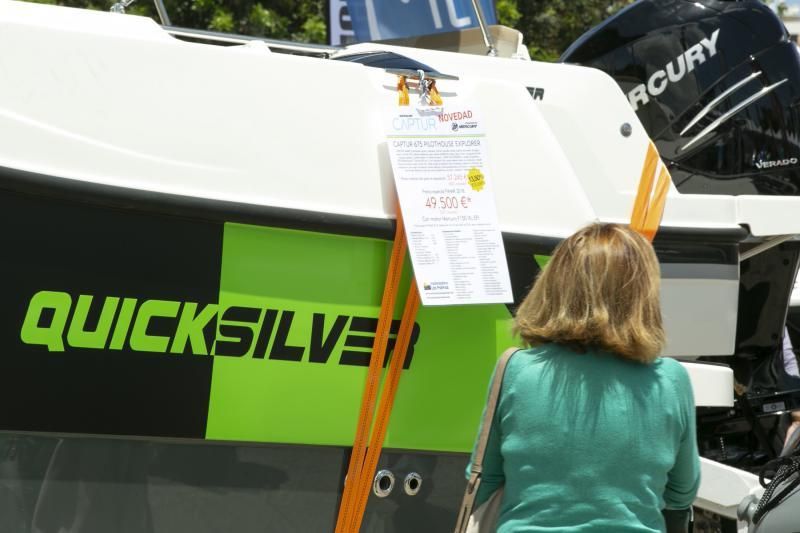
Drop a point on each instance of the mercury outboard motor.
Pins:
(715, 83)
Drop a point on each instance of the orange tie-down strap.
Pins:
(402, 91)
(363, 461)
(648, 207)
(364, 483)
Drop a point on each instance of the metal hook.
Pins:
(424, 95)
(120, 5)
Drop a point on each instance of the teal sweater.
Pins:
(591, 442)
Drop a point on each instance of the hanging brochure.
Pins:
(444, 183)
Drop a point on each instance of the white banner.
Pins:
(340, 25)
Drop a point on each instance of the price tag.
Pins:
(444, 183)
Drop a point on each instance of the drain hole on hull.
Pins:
(383, 484)
(412, 483)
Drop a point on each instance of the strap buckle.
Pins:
(473, 481)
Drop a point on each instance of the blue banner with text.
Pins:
(390, 19)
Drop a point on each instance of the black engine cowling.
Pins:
(715, 83)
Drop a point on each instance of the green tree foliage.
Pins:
(507, 12)
(550, 26)
(296, 20)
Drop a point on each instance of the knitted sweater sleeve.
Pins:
(683, 481)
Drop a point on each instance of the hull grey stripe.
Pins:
(711, 127)
(699, 271)
(703, 112)
(60, 188)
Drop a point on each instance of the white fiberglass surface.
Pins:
(139, 109)
(118, 101)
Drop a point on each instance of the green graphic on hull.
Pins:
(300, 374)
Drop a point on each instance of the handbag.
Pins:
(484, 518)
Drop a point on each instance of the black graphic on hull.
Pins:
(94, 250)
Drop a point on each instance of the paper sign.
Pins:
(444, 182)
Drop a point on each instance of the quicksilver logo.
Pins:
(56, 321)
(674, 71)
(778, 163)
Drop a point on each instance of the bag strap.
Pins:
(476, 469)
(491, 408)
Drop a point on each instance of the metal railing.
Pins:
(289, 47)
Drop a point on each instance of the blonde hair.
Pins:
(599, 290)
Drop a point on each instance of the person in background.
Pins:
(594, 432)
(793, 380)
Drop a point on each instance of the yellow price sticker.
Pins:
(476, 179)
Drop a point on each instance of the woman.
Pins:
(593, 431)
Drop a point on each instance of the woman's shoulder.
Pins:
(531, 355)
(523, 359)
(532, 362)
(671, 367)
(673, 370)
